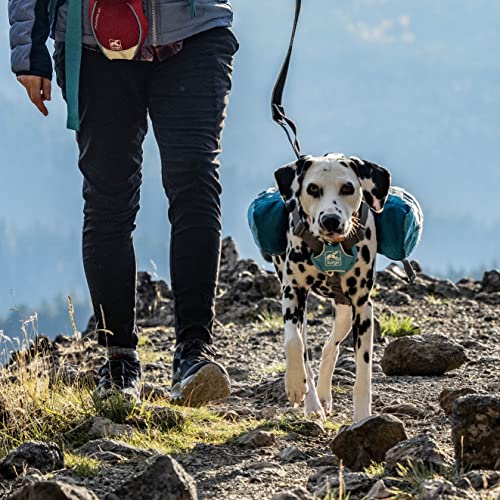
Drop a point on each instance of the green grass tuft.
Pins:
(395, 325)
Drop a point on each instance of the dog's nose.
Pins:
(330, 223)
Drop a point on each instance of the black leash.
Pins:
(278, 110)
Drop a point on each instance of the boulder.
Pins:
(52, 490)
(421, 450)
(475, 423)
(422, 355)
(368, 441)
(257, 439)
(45, 457)
(491, 281)
(162, 479)
(405, 409)
(448, 396)
(379, 491)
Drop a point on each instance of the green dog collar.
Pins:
(334, 259)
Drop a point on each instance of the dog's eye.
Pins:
(347, 189)
(313, 190)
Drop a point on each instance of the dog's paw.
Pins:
(296, 384)
(326, 404)
(313, 407)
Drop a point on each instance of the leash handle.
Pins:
(278, 110)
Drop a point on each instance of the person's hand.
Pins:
(38, 89)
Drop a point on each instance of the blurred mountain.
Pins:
(412, 85)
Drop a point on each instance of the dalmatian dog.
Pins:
(328, 192)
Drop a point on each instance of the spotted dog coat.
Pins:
(328, 192)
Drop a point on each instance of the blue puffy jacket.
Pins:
(32, 21)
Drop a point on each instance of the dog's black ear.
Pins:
(286, 174)
(375, 182)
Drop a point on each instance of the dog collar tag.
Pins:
(334, 259)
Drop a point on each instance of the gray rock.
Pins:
(379, 491)
(323, 461)
(154, 392)
(110, 450)
(291, 454)
(45, 457)
(295, 494)
(405, 409)
(422, 355)
(257, 439)
(421, 450)
(162, 479)
(53, 490)
(478, 480)
(367, 440)
(354, 484)
(433, 489)
(229, 253)
(448, 396)
(491, 281)
(475, 423)
(103, 427)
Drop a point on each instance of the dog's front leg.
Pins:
(363, 347)
(294, 301)
(341, 327)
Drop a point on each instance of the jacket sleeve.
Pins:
(29, 30)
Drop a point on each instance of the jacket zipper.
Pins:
(154, 22)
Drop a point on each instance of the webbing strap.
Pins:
(278, 110)
(73, 57)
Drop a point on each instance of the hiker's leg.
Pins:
(188, 96)
(113, 126)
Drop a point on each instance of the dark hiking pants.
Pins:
(186, 99)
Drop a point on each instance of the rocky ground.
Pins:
(435, 433)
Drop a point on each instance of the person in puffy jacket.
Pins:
(181, 79)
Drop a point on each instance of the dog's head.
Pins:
(328, 191)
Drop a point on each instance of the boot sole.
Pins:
(209, 383)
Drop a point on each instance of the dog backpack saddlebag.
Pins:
(119, 26)
(268, 221)
(399, 225)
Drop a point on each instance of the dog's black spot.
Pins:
(362, 300)
(359, 343)
(364, 326)
(365, 253)
(280, 275)
(310, 280)
(363, 283)
(292, 204)
(301, 268)
(357, 271)
(287, 292)
(369, 275)
(351, 281)
(321, 277)
(352, 291)
(368, 233)
(368, 198)
(366, 357)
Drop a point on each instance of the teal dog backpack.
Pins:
(399, 225)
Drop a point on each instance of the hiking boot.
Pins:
(197, 378)
(120, 375)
